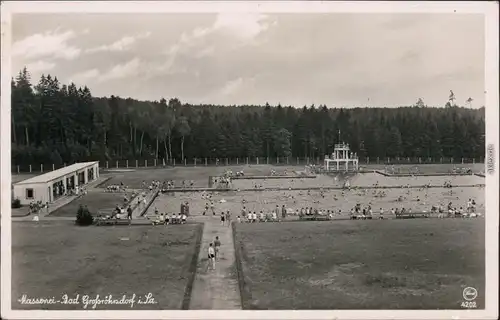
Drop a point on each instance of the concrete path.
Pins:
(216, 289)
(138, 211)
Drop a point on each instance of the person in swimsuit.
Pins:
(217, 247)
(211, 256)
(222, 218)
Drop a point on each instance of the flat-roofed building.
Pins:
(50, 186)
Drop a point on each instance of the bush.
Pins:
(84, 217)
(16, 203)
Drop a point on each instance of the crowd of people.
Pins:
(121, 213)
(276, 173)
(116, 188)
(167, 185)
(223, 182)
(281, 212)
(35, 207)
(416, 170)
(264, 216)
(406, 200)
(167, 219)
(456, 170)
(126, 209)
(176, 218)
(470, 210)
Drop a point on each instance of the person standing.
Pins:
(211, 257)
(228, 218)
(283, 211)
(217, 247)
(222, 218)
(275, 216)
(129, 213)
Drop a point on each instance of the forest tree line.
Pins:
(58, 123)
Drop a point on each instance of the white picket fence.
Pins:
(195, 162)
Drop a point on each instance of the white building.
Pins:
(50, 186)
(342, 159)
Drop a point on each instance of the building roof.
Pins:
(52, 175)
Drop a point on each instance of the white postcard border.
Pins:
(489, 9)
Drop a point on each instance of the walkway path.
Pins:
(216, 289)
(137, 212)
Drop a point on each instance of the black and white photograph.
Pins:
(262, 160)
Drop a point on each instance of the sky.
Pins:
(336, 59)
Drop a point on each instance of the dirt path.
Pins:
(216, 289)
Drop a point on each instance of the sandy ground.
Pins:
(332, 200)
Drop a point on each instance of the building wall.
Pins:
(40, 192)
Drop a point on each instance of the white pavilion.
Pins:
(342, 159)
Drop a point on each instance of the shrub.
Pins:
(84, 217)
(16, 203)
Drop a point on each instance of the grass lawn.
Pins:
(398, 264)
(94, 200)
(56, 258)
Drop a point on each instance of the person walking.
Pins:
(211, 257)
(222, 218)
(217, 247)
(129, 213)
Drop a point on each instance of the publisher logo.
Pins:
(469, 293)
